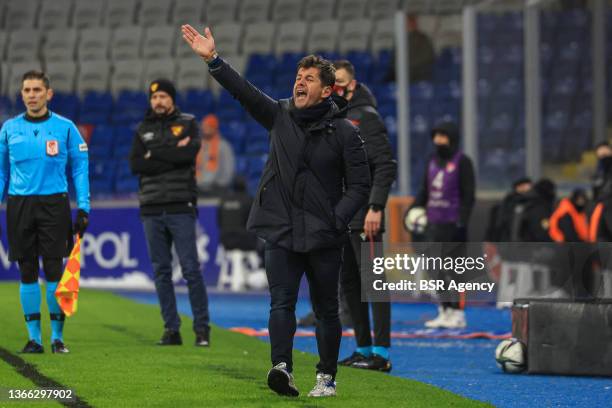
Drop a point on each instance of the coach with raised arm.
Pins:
(315, 180)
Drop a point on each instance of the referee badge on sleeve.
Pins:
(52, 148)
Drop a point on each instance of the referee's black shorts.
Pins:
(39, 225)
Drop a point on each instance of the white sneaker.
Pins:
(438, 321)
(325, 386)
(455, 319)
(281, 381)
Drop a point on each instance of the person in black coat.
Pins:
(315, 179)
(532, 214)
(368, 224)
(500, 217)
(232, 216)
(163, 155)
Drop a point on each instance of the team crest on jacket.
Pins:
(177, 130)
(450, 167)
(52, 148)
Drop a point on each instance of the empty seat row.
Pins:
(68, 77)
(132, 42)
(18, 14)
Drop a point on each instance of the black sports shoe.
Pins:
(170, 338)
(33, 347)
(59, 347)
(202, 339)
(375, 362)
(353, 358)
(281, 381)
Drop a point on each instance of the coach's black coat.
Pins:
(167, 177)
(315, 178)
(361, 111)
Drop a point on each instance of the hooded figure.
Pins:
(532, 215)
(447, 193)
(500, 219)
(448, 188)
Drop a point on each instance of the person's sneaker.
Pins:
(353, 358)
(375, 362)
(455, 319)
(202, 339)
(33, 347)
(439, 321)
(325, 386)
(170, 338)
(59, 347)
(281, 381)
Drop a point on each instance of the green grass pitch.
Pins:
(114, 362)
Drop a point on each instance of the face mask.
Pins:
(342, 91)
(443, 151)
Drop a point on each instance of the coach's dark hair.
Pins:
(602, 144)
(35, 74)
(345, 65)
(327, 72)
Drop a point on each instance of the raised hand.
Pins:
(203, 45)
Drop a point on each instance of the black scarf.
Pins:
(307, 116)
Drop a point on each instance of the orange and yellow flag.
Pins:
(67, 292)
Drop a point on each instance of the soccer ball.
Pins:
(511, 356)
(257, 280)
(415, 220)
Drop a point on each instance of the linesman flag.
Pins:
(67, 292)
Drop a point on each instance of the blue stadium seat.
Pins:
(126, 182)
(101, 176)
(124, 137)
(234, 132)
(574, 19)
(242, 165)
(387, 110)
(380, 68)
(95, 108)
(564, 86)
(556, 121)
(384, 93)
(583, 120)
(422, 91)
(571, 53)
(256, 138)
(66, 105)
(447, 90)
(197, 102)
(256, 165)
(6, 107)
(511, 88)
(130, 107)
(102, 142)
(444, 112)
(419, 123)
(363, 62)
(261, 70)
(229, 108)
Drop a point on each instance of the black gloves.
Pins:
(81, 222)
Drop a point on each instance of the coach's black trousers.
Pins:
(284, 269)
(351, 286)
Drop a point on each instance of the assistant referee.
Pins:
(35, 149)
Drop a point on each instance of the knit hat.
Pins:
(162, 85)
